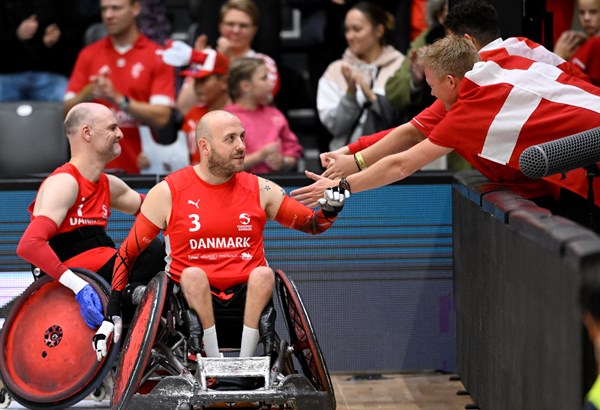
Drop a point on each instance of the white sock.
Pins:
(211, 345)
(250, 338)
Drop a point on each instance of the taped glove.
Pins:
(333, 200)
(100, 339)
(90, 305)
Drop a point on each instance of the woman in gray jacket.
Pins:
(351, 93)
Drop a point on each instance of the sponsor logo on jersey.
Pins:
(195, 203)
(246, 256)
(245, 222)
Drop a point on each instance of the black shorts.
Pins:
(229, 306)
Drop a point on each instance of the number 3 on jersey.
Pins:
(195, 222)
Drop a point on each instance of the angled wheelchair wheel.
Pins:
(140, 339)
(46, 355)
(302, 337)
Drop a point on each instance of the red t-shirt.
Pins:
(218, 228)
(139, 73)
(509, 104)
(190, 122)
(519, 46)
(92, 208)
(587, 57)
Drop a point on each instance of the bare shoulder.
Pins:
(63, 183)
(270, 188)
(56, 195)
(271, 196)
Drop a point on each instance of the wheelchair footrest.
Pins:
(224, 367)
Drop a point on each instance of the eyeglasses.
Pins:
(242, 26)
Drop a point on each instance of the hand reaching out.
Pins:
(333, 200)
(309, 195)
(340, 165)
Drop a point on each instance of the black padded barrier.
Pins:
(517, 272)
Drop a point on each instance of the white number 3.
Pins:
(195, 222)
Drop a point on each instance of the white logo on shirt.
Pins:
(196, 204)
(137, 69)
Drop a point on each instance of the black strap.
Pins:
(68, 244)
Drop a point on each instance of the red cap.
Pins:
(214, 63)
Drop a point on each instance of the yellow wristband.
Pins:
(360, 161)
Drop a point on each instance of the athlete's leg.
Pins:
(196, 290)
(260, 291)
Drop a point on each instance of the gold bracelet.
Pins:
(360, 161)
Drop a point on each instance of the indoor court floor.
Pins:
(394, 391)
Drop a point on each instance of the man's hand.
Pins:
(340, 166)
(100, 339)
(90, 305)
(333, 200)
(309, 195)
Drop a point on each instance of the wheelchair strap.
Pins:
(68, 244)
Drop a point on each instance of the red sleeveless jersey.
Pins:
(218, 228)
(91, 208)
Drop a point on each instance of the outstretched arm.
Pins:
(376, 147)
(397, 167)
(292, 214)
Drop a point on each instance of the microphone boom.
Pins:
(561, 155)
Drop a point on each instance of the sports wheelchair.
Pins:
(155, 368)
(46, 356)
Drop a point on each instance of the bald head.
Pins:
(84, 113)
(213, 121)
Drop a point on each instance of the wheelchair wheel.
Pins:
(46, 355)
(302, 337)
(139, 342)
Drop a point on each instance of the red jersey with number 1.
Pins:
(218, 228)
(91, 208)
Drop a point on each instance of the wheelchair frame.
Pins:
(155, 353)
(46, 360)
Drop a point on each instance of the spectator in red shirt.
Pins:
(124, 72)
